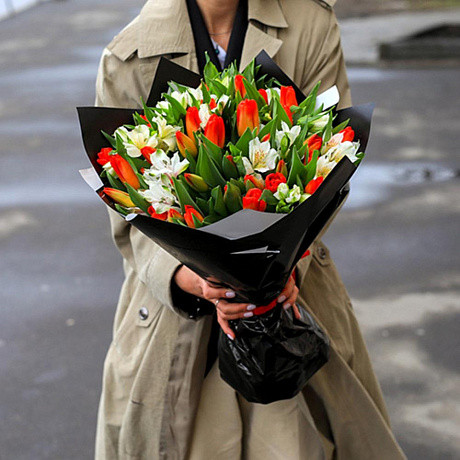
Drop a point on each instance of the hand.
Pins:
(211, 290)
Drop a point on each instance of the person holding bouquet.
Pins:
(162, 394)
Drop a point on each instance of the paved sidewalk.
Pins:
(361, 37)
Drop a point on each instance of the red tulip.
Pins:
(155, 215)
(103, 156)
(313, 185)
(189, 212)
(264, 94)
(273, 180)
(184, 143)
(252, 200)
(215, 130)
(239, 85)
(212, 104)
(314, 142)
(192, 121)
(147, 120)
(147, 151)
(124, 171)
(247, 116)
(252, 181)
(348, 134)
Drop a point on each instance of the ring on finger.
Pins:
(216, 302)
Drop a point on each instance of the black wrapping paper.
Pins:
(250, 252)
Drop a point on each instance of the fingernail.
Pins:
(251, 307)
(230, 337)
(248, 315)
(286, 305)
(230, 294)
(281, 298)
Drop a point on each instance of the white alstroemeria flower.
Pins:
(122, 132)
(291, 133)
(262, 156)
(183, 98)
(204, 114)
(166, 134)
(335, 140)
(138, 138)
(320, 123)
(324, 166)
(294, 194)
(270, 93)
(222, 102)
(347, 148)
(160, 197)
(282, 192)
(196, 93)
(165, 105)
(163, 164)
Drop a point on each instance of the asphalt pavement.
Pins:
(395, 243)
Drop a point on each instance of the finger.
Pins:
(225, 327)
(292, 298)
(235, 309)
(296, 311)
(287, 290)
(209, 292)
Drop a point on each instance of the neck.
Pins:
(218, 15)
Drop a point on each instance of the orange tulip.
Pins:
(264, 94)
(173, 214)
(247, 116)
(314, 142)
(119, 197)
(288, 99)
(186, 143)
(215, 130)
(192, 121)
(124, 171)
(239, 85)
(189, 212)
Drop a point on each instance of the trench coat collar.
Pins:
(164, 28)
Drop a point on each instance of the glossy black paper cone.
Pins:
(251, 252)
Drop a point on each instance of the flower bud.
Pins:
(215, 130)
(103, 156)
(119, 197)
(173, 215)
(314, 142)
(348, 134)
(196, 182)
(124, 171)
(254, 180)
(288, 99)
(155, 215)
(232, 197)
(282, 168)
(239, 85)
(264, 94)
(192, 121)
(147, 151)
(191, 212)
(247, 116)
(186, 143)
(313, 185)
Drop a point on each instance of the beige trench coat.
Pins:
(155, 365)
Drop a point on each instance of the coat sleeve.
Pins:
(119, 85)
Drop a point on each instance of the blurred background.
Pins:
(396, 242)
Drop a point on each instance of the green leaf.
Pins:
(232, 198)
(214, 151)
(203, 204)
(138, 199)
(121, 150)
(142, 181)
(311, 167)
(208, 220)
(229, 169)
(116, 183)
(206, 95)
(208, 170)
(252, 93)
(309, 102)
(339, 128)
(249, 71)
(178, 110)
(243, 142)
(183, 196)
(218, 201)
(268, 197)
(297, 169)
(280, 114)
(111, 139)
(269, 128)
(210, 70)
(328, 129)
(122, 210)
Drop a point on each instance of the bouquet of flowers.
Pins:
(234, 175)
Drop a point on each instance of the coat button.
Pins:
(143, 313)
(322, 253)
